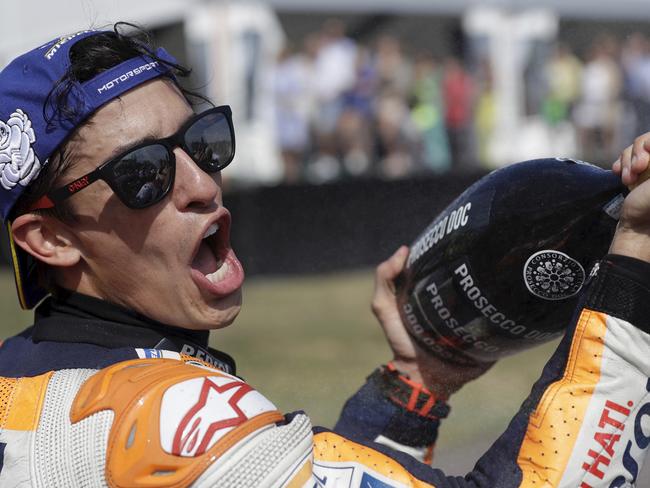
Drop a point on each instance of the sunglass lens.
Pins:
(210, 142)
(144, 176)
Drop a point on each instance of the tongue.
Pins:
(205, 261)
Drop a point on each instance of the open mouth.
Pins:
(210, 258)
(215, 267)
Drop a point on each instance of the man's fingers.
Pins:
(640, 156)
(384, 286)
(633, 165)
(634, 160)
(643, 142)
(389, 269)
(626, 162)
(398, 259)
(639, 162)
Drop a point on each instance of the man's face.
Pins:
(152, 260)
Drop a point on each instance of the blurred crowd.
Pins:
(349, 109)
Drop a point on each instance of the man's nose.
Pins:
(193, 187)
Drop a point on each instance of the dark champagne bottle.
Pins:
(500, 269)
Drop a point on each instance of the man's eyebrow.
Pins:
(121, 149)
(141, 140)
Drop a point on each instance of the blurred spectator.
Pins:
(334, 74)
(335, 63)
(485, 116)
(294, 100)
(563, 77)
(635, 59)
(394, 70)
(598, 110)
(351, 109)
(395, 137)
(354, 127)
(355, 142)
(429, 114)
(459, 88)
(535, 82)
(361, 94)
(394, 130)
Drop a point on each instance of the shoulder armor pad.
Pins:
(172, 419)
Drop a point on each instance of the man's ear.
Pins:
(46, 239)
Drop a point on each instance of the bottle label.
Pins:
(444, 225)
(485, 309)
(553, 275)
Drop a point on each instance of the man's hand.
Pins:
(439, 376)
(633, 160)
(632, 236)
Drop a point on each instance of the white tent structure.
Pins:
(26, 24)
(232, 44)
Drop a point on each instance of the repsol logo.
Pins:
(635, 449)
(451, 222)
(199, 353)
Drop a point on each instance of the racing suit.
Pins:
(93, 395)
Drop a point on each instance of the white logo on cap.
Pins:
(125, 76)
(61, 41)
(18, 163)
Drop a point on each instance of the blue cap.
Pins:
(30, 131)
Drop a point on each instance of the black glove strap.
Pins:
(412, 396)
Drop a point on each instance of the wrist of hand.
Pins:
(408, 368)
(631, 243)
(441, 377)
(413, 396)
(430, 380)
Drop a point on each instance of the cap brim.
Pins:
(25, 275)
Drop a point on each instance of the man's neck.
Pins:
(73, 317)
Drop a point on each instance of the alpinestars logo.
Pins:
(553, 275)
(195, 414)
(18, 163)
(193, 440)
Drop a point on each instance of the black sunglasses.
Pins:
(144, 174)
